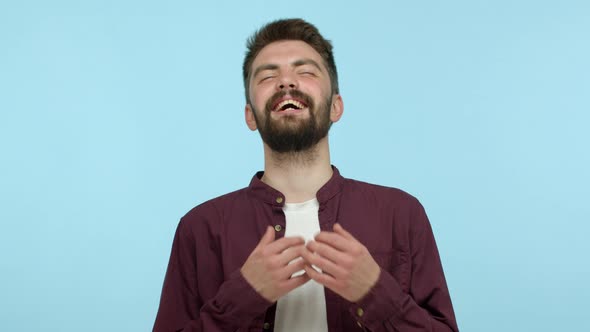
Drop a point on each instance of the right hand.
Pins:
(267, 269)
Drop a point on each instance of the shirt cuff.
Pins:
(380, 304)
(240, 300)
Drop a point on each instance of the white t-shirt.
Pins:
(304, 308)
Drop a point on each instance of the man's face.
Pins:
(290, 96)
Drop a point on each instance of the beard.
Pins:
(290, 134)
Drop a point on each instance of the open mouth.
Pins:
(289, 104)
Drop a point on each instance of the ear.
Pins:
(250, 120)
(337, 108)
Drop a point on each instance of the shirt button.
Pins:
(266, 326)
(278, 228)
(279, 200)
(360, 312)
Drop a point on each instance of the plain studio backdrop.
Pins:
(117, 117)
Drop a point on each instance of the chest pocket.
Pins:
(397, 263)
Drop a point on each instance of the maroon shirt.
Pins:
(205, 291)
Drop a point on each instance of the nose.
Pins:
(286, 81)
(283, 86)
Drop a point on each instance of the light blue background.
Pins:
(118, 117)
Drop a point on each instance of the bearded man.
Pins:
(302, 248)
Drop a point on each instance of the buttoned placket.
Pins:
(327, 215)
(279, 221)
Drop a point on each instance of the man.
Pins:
(255, 259)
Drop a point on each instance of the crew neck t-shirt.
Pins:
(304, 308)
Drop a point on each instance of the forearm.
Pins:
(235, 305)
(388, 308)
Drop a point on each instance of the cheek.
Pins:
(316, 89)
(259, 103)
(259, 96)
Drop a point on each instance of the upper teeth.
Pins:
(289, 101)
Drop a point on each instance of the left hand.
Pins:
(348, 269)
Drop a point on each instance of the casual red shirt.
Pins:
(205, 291)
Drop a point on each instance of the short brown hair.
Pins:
(289, 29)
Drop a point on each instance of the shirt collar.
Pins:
(272, 196)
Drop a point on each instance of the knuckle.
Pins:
(317, 247)
(273, 263)
(357, 250)
(294, 241)
(348, 263)
(268, 264)
(264, 252)
(315, 260)
(276, 277)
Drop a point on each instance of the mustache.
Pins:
(293, 93)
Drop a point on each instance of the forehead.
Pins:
(285, 52)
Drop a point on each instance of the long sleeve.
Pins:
(427, 306)
(195, 296)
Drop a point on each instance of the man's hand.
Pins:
(267, 269)
(347, 267)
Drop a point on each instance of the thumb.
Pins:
(268, 237)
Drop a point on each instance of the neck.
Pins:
(298, 175)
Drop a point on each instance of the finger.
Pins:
(292, 283)
(267, 238)
(335, 240)
(325, 265)
(290, 254)
(327, 251)
(340, 230)
(321, 278)
(295, 266)
(281, 245)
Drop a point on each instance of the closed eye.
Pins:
(266, 78)
(308, 73)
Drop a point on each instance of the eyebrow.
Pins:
(297, 63)
(303, 62)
